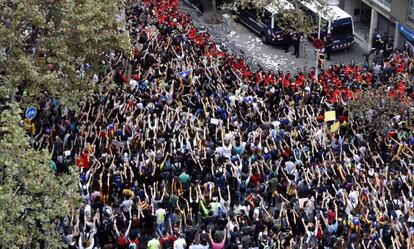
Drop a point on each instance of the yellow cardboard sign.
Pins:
(330, 116)
(335, 127)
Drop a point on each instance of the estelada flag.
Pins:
(187, 74)
(144, 205)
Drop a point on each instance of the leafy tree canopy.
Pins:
(31, 196)
(57, 45)
(291, 14)
(374, 111)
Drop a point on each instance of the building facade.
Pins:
(390, 18)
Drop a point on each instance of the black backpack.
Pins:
(167, 244)
(243, 186)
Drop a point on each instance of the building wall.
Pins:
(350, 6)
(384, 18)
(385, 26)
(399, 10)
(341, 4)
(380, 8)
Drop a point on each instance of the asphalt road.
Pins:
(274, 57)
(239, 37)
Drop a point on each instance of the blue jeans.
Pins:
(160, 228)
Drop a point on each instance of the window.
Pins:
(342, 27)
(267, 18)
(385, 3)
(411, 11)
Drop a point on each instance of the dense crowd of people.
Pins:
(193, 149)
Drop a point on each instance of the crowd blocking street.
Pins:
(194, 149)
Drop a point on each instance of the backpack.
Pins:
(221, 182)
(243, 186)
(167, 244)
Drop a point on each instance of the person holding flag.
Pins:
(185, 78)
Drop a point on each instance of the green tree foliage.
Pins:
(290, 13)
(45, 45)
(55, 46)
(374, 111)
(31, 195)
(297, 18)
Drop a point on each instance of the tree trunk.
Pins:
(305, 52)
(214, 3)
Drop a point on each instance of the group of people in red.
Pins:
(337, 81)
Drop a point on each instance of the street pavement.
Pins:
(274, 57)
(239, 38)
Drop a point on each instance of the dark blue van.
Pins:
(336, 22)
(262, 22)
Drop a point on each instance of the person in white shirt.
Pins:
(125, 205)
(160, 216)
(352, 201)
(180, 243)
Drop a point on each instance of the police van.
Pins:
(335, 22)
(264, 22)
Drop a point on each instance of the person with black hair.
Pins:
(296, 43)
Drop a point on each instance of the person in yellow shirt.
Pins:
(29, 126)
(154, 244)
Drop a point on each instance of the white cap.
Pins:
(371, 172)
(276, 124)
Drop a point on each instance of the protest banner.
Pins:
(330, 116)
(335, 127)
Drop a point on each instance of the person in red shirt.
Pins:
(255, 179)
(167, 238)
(83, 160)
